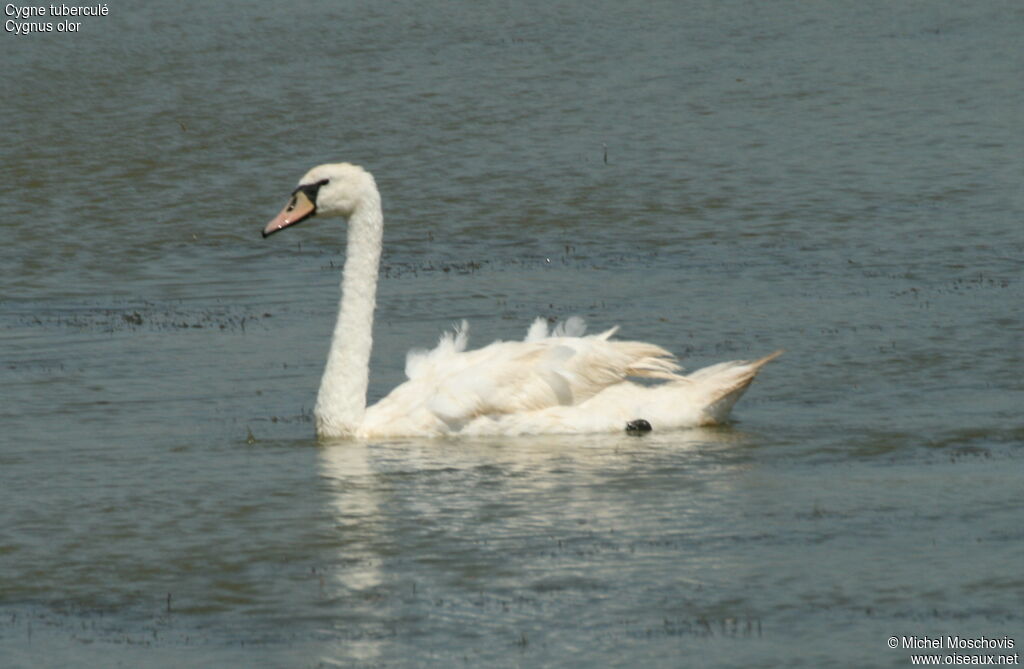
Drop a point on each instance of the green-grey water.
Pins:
(722, 178)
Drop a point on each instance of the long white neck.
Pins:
(341, 402)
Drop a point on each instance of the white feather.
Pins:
(556, 380)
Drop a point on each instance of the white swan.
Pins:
(555, 381)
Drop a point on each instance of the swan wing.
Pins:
(449, 386)
(702, 398)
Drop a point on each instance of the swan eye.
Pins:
(310, 190)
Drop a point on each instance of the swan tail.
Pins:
(723, 384)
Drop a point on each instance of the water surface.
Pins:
(724, 179)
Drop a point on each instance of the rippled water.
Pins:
(722, 178)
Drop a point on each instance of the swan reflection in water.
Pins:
(464, 521)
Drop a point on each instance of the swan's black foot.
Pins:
(638, 427)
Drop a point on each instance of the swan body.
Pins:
(556, 380)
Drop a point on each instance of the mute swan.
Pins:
(554, 381)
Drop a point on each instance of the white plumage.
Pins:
(556, 380)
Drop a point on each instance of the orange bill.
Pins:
(298, 209)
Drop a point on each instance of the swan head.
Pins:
(336, 189)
